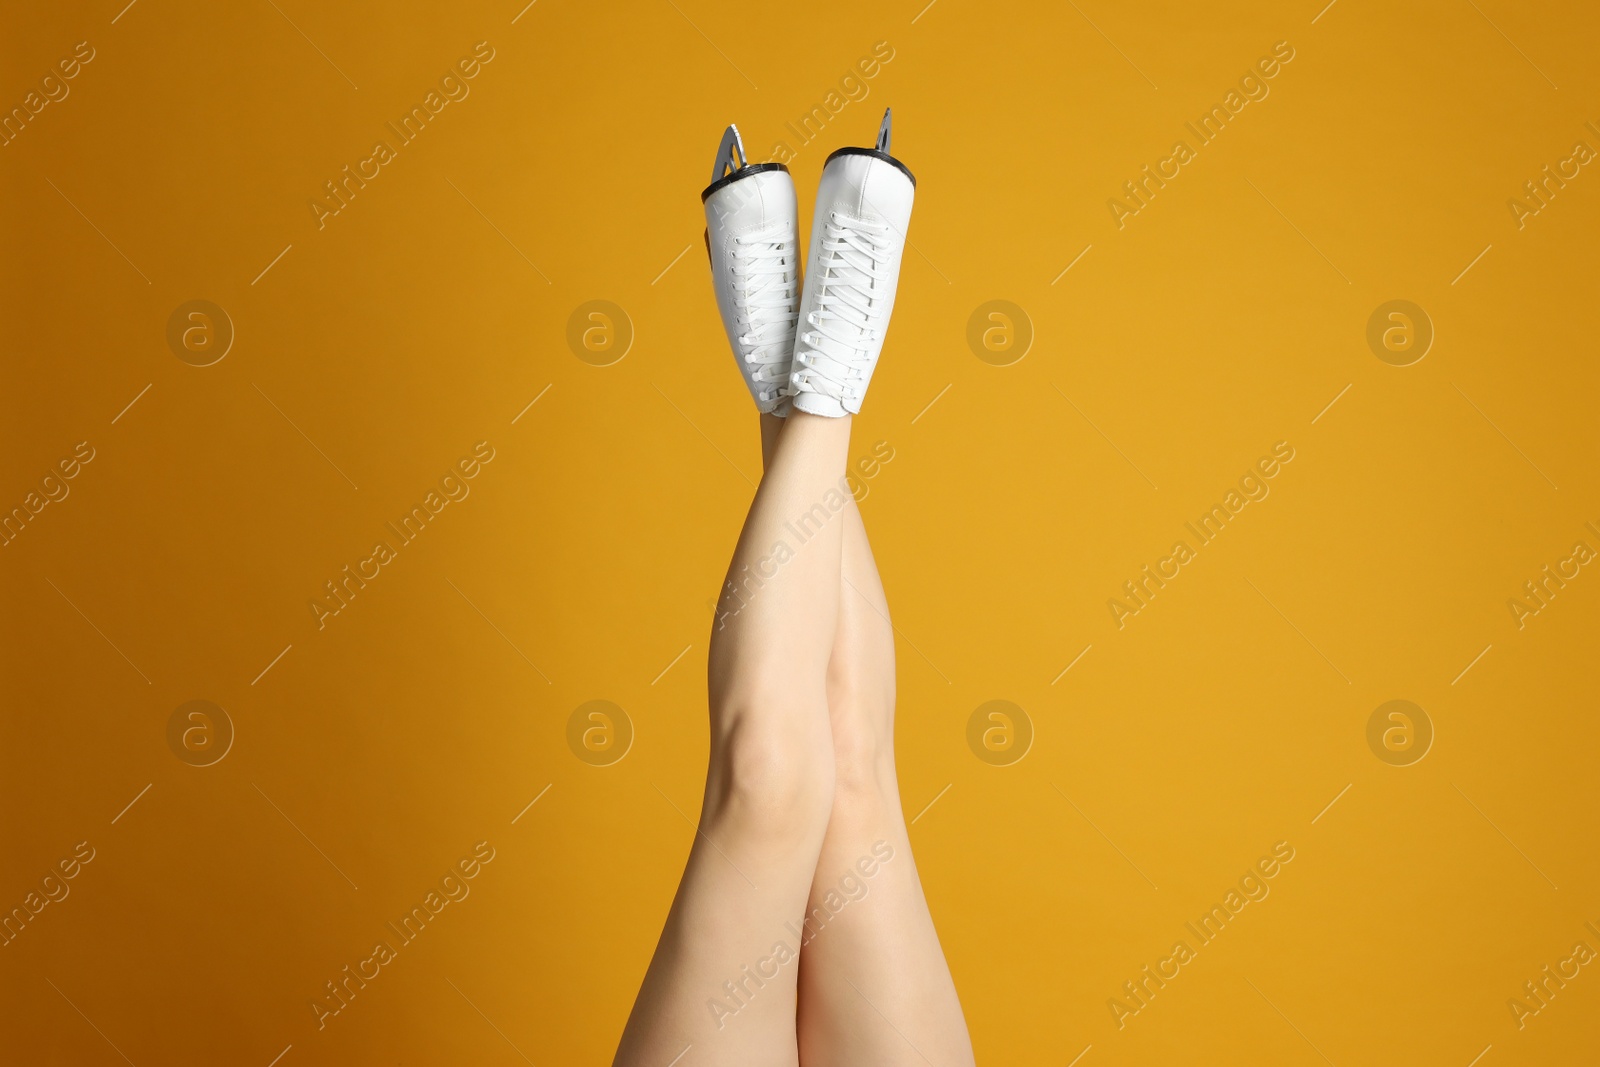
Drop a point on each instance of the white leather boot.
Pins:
(857, 237)
(752, 233)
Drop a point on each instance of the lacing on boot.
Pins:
(833, 357)
(764, 280)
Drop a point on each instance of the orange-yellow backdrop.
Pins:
(372, 348)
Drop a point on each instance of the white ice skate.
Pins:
(752, 235)
(857, 238)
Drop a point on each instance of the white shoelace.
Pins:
(764, 302)
(835, 354)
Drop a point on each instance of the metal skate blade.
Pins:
(883, 131)
(730, 154)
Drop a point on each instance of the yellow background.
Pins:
(425, 317)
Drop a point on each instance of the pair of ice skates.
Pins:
(810, 349)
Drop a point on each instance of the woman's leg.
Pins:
(874, 985)
(721, 987)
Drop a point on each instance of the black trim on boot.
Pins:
(744, 172)
(875, 154)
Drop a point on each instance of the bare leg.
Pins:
(723, 979)
(874, 985)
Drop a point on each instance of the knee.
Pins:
(861, 712)
(773, 772)
(863, 755)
